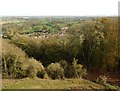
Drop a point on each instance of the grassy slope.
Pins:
(37, 83)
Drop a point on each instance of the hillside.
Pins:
(36, 83)
(60, 53)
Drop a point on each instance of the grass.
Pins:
(37, 83)
(108, 86)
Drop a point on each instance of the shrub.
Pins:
(55, 71)
(78, 69)
(63, 64)
(31, 71)
(34, 68)
(75, 70)
(16, 64)
(42, 74)
(101, 79)
(13, 61)
(21, 69)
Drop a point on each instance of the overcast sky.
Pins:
(58, 7)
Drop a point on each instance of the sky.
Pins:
(58, 7)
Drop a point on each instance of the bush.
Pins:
(101, 79)
(55, 71)
(31, 72)
(42, 74)
(34, 68)
(16, 64)
(13, 61)
(75, 70)
(63, 64)
(21, 70)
